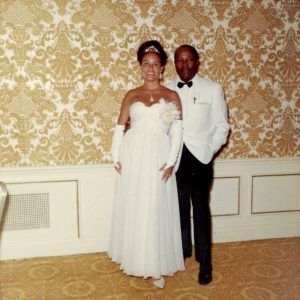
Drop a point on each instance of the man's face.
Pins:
(185, 63)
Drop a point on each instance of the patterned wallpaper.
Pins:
(66, 65)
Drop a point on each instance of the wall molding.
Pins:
(218, 162)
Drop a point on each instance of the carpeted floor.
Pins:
(256, 270)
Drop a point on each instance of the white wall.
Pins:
(66, 210)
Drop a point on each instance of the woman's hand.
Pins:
(118, 167)
(166, 172)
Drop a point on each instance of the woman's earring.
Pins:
(161, 76)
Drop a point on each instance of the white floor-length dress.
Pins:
(145, 234)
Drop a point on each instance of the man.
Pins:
(205, 130)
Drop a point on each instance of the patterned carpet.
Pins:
(256, 270)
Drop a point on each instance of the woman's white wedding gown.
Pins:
(145, 236)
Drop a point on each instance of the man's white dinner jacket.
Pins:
(205, 117)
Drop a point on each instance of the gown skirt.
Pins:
(145, 236)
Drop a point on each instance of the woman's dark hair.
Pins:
(194, 51)
(154, 47)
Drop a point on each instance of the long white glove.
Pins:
(116, 143)
(176, 137)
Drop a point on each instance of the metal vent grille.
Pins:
(26, 211)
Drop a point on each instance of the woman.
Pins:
(145, 234)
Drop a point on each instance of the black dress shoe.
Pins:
(205, 277)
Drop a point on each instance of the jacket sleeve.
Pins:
(220, 125)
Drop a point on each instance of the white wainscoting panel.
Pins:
(57, 208)
(276, 193)
(225, 196)
(68, 208)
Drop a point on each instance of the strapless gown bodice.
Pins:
(159, 115)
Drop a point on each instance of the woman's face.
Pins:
(151, 67)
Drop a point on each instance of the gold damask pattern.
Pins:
(264, 270)
(66, 65)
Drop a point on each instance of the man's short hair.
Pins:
(194, 51)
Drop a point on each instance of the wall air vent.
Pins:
(26, 211)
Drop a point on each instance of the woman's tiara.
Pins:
(151, 49)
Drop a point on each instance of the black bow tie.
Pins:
(181, 84)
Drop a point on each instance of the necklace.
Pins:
(151, 99)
